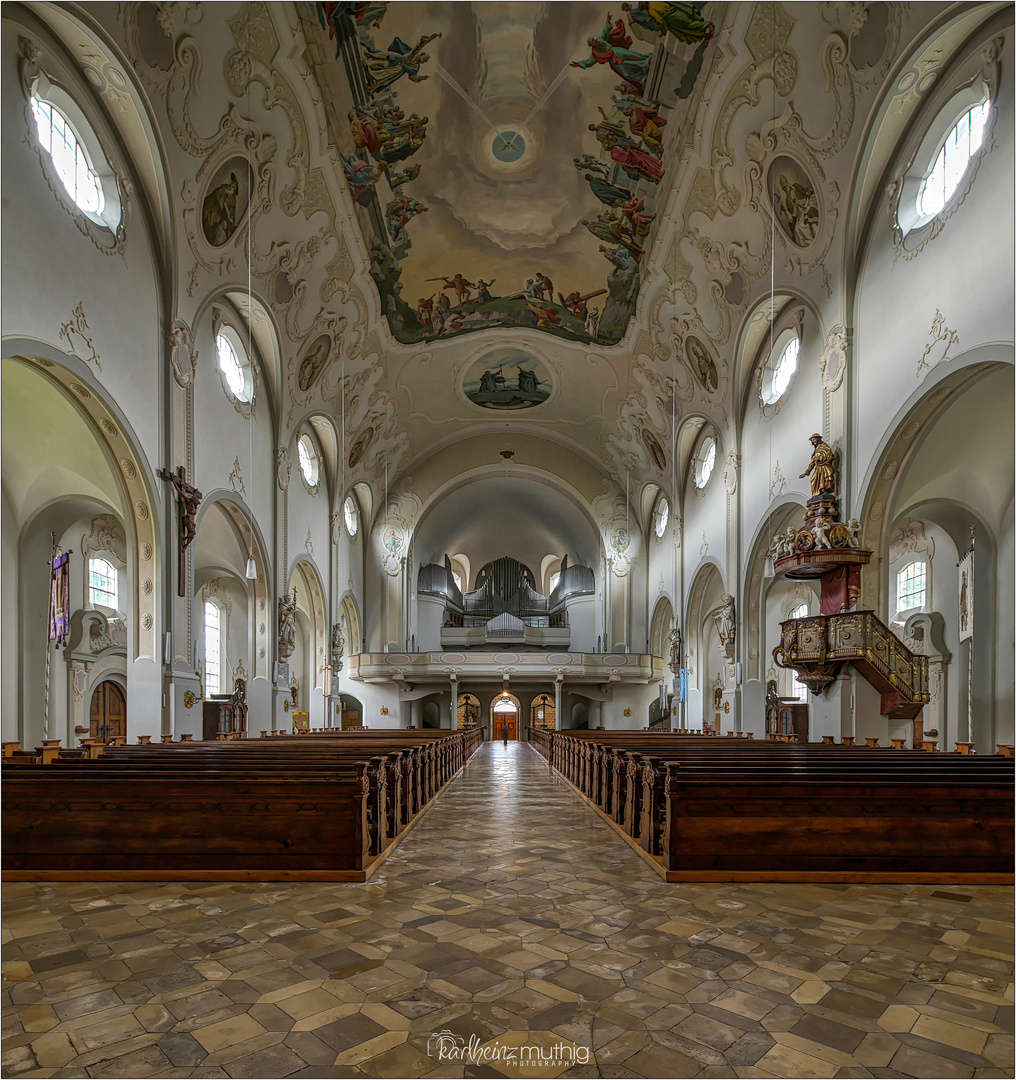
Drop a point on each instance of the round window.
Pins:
(350, 516)
(308, 459)
(706, 462)
(662, 516)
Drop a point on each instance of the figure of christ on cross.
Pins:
(188, 501)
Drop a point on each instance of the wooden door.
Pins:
(107, 717)
(505, 722)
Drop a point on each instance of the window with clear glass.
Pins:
(706, 463)
(457, 578)
(350, 516)
(233, 370)
(308, 459)
(778, 373)
(662, 516)
(911, 586)
(213, 646)
(102, 584)
(962, 142)
(68, 155)
(554, 579)
(797, 688)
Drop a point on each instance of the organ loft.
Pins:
(508, 533)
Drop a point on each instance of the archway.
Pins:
(107, 713)
(73, 468)
(505, 714)
(659, 634)
(705, 659)
(310, 656)
(350, 711)
(468, 711)
(542, 712)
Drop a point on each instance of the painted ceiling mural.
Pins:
(508, 162)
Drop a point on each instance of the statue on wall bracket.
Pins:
(825, 548)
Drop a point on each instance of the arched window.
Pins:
(234, 364)
(350, 516)
(213, 647)
(67, 138)
(705, 462)
(457, 578)
(781, 367)
(309, 460)
(912, 586)
(102, 584)
(797, 688)
(661, 515)
(554, 579)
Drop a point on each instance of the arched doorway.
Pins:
(468, 711)
(542, 713)
(107, 715)
(505, 712)
(351, 711)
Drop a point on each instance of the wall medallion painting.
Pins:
(226, 200)
(507, 379)
(795, 201)
(496, 193)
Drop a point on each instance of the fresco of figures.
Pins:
(433, 113)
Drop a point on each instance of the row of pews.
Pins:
(326, 806)
(702, 808)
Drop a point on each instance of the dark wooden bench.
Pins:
(263, 809)
(718, 809)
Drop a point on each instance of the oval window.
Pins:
(662, 516)
(308, 459)
(350, 516)
(777, 378)
(706, 463)
(75, 152)
(234, 364)
(950, 166)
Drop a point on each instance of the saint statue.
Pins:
(822, 467)
(287, 624)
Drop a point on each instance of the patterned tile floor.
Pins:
(512, 934)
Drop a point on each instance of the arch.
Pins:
(303, 569)
(579, 715)
(350, 711)
(659, 633)
(353, 628)
(702, 641)
(543, 703)
(467, 711)
(505, 710)
(756, 585)
(248, 539)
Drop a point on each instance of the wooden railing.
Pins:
(817, 648)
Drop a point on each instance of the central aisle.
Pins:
(510, 925)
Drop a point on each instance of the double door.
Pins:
(107, 717)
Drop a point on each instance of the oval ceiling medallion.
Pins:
(507, 379)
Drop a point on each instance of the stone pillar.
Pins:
(416, 713)
(558, 685)
(453, 704)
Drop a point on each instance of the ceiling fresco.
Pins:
(508, 162)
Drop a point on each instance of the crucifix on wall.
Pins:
(188, 500)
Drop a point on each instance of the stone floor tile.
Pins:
(507, 931)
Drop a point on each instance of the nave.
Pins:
(511, 933)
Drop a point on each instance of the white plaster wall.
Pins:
(969, 283)
(50, 267)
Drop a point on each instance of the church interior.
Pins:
(588, 652)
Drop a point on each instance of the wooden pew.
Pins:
(302, 807)
(957, 807)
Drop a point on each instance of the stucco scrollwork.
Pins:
(182, 354)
